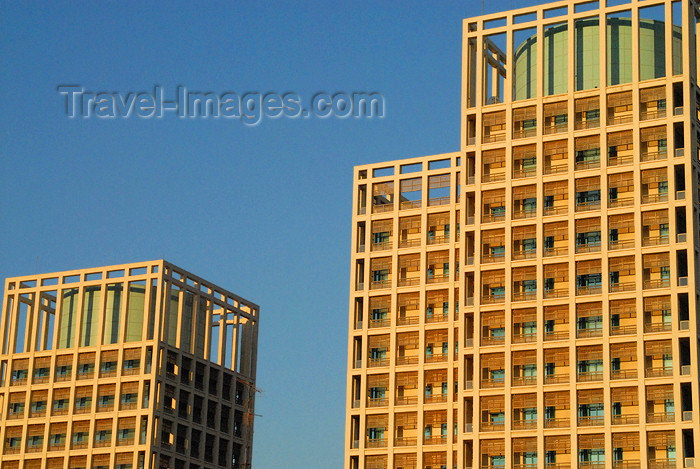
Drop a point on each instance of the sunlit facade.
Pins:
(131, 366)
(530, 301)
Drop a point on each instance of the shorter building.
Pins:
(129, 366)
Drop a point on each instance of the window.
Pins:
(549, 242)
(668, 361)
(590, 237)
(131, 364)
(590, 366)
(530, 205)
(530, 414)
(60, 404)
(379, 313)
(380, 275)
(497, 417)
(428, 390)
(614, 321)
(530, 286)
(498, 292)
(497, 332)
(498, 251)
(530, 371)
(614, 236)
(377, 353)
(530, 245)
(669, 406)
(588, 196)
(498, 461)
(614, 278)
(529, 327)
(588, 156)
(530, 458)
(377, 393)
(615, 364)
(498, 211)
(593, 114)
(589, 280)
(38, 406)
(498, 375)
(549, 325)
(549, 369)
(590, 410)
(380, 238)
(548, 284)
(590, 323)
(591, 455)
(550, 412)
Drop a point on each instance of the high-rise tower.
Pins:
(531, 301)
(139, 366)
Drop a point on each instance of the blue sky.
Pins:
(264, 210)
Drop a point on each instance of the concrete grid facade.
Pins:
(128, 366)
(530, 301)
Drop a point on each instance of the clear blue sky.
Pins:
(263, 211)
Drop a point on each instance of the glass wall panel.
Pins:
(136, 304)
(67, 320)
(652, 43)
(91, 315)
(200, 327)
(587, 53)
(153, 308)
(173, 309)
(677, 39)
(556, 59)
(113, 307)
(619, 48)
(186, 328)
(525, 64)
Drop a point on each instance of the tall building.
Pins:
(138, 366)
(531, 300)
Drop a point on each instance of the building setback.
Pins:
(531, 301)
(129, 366)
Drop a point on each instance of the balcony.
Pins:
(623, 320)
(494, 127)
(556, 157)
(661, 417)
(586, 246)
(620, 109)
(587, 205)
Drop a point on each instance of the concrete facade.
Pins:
(129, 366)
(531, 300)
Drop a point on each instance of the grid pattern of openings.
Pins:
(93, 364)
(570, 334)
